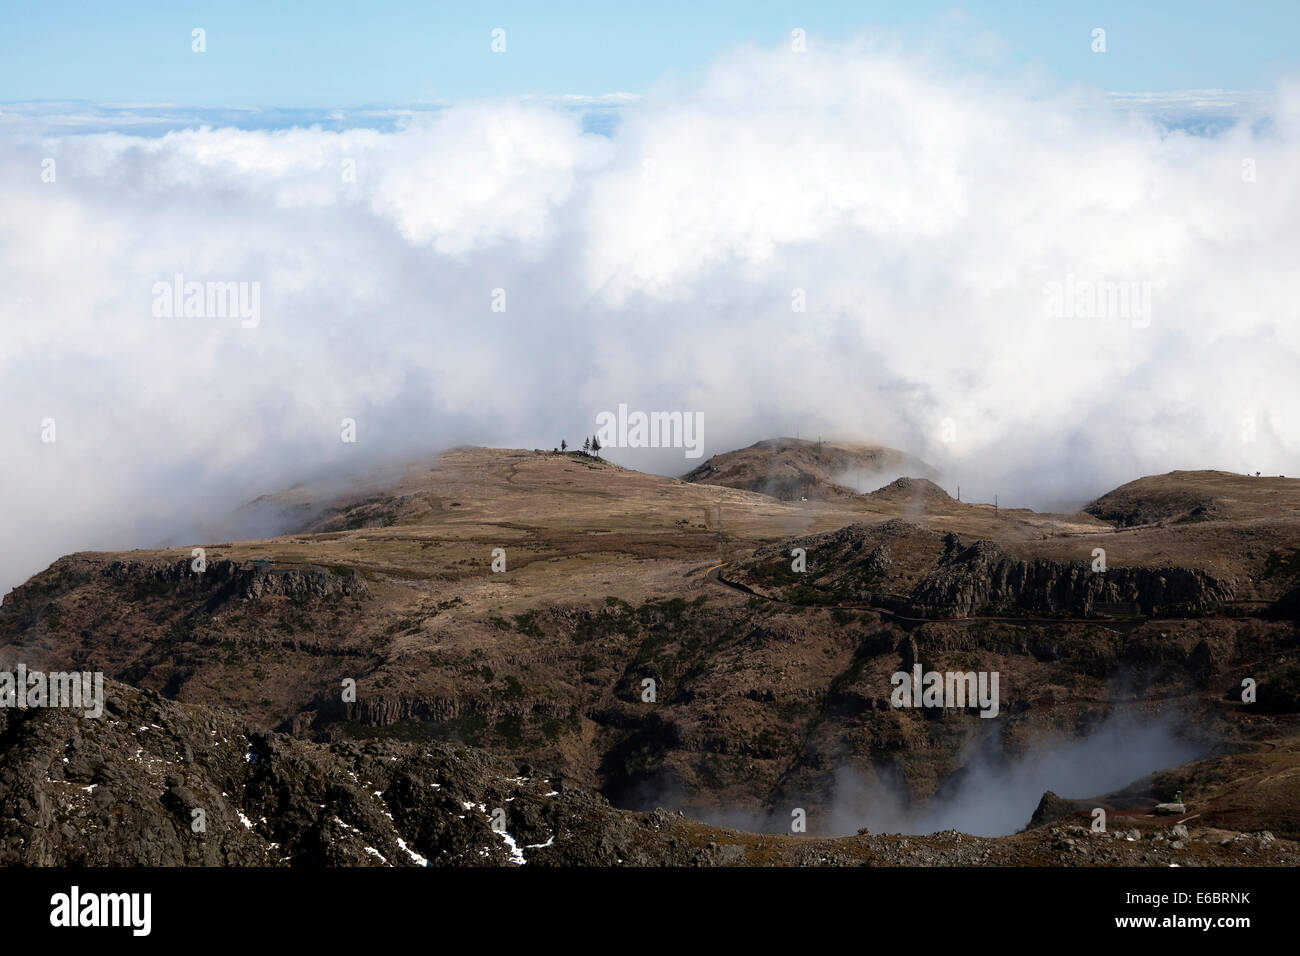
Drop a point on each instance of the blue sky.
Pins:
(294, 53)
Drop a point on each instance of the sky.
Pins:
(913, 232)
(308, 53)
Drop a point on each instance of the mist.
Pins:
(918, 213)
(993, 793)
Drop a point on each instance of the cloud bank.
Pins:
(919, 213)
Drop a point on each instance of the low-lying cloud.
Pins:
(917, 214)
(992, 794)
(996, 794)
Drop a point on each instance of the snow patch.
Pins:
(419, 860)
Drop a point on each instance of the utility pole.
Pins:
(995, 504)
(959, 492)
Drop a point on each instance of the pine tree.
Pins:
(586, 445)
(564, 445)
(595, 446)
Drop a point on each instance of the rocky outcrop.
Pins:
(982, 578)
(858, 541)
(158, 783)
(1050, 809)
(223, 581)
(917, 492)
(917, 572)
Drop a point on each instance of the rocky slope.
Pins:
(918, 572)
(757, 704)
(1191, 496)
(156, 783)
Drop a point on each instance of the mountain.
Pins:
(771, 687)
(1186, 496)
(790, 468)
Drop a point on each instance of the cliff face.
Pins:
(223, 581)
(981, 577)
(922, 573)
(220, 583)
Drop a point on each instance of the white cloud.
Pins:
(922, 212)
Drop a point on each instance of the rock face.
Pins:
(982, 576)
(224, 581)
(1050, 809)
(154, 783)
(922, 573)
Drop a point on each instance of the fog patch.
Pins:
(993, 794)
